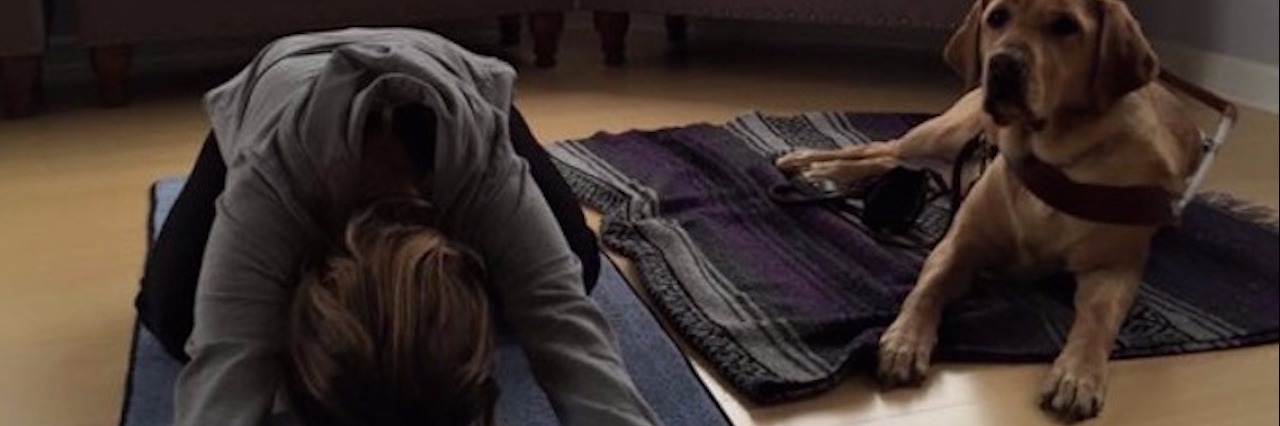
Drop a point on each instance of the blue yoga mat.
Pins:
(663, 375)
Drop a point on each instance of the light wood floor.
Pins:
(73, 198)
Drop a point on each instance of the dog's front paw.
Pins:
(1075, 389)
(846, 173)
(905, 349)
(800, 159)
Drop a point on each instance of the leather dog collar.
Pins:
(1122, 205)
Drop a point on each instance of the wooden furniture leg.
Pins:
(677, 29)
(677, 38)
(612, 27)
(546, 28)
(20, 84)
(111, 65)
(509, 30)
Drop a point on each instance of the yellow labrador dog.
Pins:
(1092, 153)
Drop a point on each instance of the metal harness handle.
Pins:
(1228, 112)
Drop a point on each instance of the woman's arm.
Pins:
(571, 347)
(236, 345)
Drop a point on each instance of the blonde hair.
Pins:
(393, 329)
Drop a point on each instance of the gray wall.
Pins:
(1245, 29)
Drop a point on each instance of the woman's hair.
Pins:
(394, 329)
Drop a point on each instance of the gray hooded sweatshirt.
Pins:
(289, 128)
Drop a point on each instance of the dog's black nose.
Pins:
(1007, 76)
(1006, 85)
(1009, 65)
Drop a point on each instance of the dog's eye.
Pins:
(1063, 27)
(998, 18)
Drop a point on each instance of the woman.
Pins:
(352, 171)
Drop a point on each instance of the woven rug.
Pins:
(785, 301)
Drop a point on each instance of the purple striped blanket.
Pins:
(785, 301)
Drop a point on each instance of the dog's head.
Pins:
(1038, 58)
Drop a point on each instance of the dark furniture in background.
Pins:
(109, 27)
(612, 17)
(22, 43)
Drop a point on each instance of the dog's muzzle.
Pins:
(1006, 85)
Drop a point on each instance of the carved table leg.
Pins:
(612, 27)
(546, 28)
(20, 84)
(111, 65)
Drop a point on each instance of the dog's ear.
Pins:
(1124, 61)
(964, 50)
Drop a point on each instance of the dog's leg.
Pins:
(938, 140)
(977, 237)
(801, 159)
(905, 347)
(1077, 384)
(846, 172)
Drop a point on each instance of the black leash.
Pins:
(893, 203)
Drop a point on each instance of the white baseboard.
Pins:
(1240, 80)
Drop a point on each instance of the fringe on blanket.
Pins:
(1243, 210)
